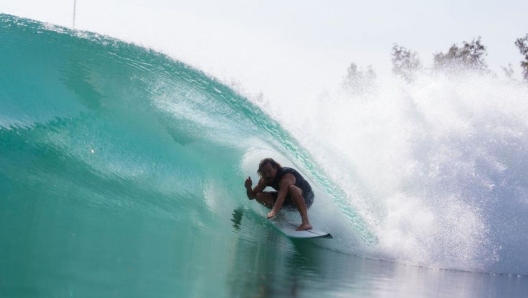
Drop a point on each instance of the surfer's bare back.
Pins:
(292, 190)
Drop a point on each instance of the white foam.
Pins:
(437, 169)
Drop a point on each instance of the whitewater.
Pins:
(122, 172)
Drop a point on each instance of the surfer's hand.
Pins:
(271, 214)
(248, 183)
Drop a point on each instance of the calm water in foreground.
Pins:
(87, 252)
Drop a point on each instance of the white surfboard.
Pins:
(288, 229)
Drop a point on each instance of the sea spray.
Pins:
(437, 168)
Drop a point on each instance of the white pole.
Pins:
(74, 10)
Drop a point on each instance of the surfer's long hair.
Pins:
(264, 162)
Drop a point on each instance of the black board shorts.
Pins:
(288, 202)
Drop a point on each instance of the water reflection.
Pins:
(268, 264)
(237, 217)
(272, 265)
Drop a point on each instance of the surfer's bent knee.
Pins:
(262, 196)
(265, 199)
(292, 189)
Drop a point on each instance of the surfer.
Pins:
(292, 190)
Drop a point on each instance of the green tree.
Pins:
(470, 56)
(358, 80)
(522, 44)
(405, 63)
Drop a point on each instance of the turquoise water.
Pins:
(121, 175)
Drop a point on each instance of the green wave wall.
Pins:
(121, 170)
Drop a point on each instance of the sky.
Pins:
(292, 48)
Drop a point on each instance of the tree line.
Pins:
(458, 59)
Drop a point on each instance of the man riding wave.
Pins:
(292, 190)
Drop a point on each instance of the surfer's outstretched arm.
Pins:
(252, 193)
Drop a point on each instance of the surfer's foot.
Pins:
(304, 227)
